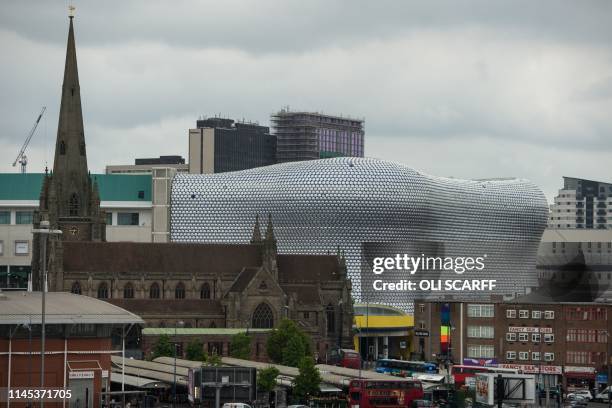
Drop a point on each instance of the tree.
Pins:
(307, 381)
(288, 344)
(266, 379)
(240, 346)
(163, 347)
(194, 351)
(213, 359)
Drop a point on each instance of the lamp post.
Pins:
(44, 232)
(179, 323)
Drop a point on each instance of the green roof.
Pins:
(158, 331)
(113, 187)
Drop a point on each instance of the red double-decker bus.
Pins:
(384, 393)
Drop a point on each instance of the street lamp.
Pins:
(181, 324)
(44, 232)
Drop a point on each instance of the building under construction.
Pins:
(308, 136)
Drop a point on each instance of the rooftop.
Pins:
(61, 308)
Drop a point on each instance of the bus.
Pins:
(459, 373)
(404, 368)
(390, 393)
(344, 358)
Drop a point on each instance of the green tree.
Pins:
(194, 351)
(266, 379)
(307, 382)
(213, 359)
(287, 344)
(162, 347)
(240, 346)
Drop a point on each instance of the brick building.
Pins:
(567, 342)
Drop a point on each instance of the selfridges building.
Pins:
(372, 209)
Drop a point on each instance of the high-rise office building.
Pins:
(582, 204)
(219, 145)
(309, 136)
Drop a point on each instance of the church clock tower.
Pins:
(69, 199)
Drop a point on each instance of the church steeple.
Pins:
(70, 164)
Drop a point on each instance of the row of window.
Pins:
(524, 356)
(480, 332)
(487, 310)
(535, 337)
(585, 357)
(21, 217)
(535, 314)
(586, 313)
(103, 291)
(20, 248)
(587, 336)
(480, 351)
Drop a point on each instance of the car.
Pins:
(583, 393)
(603, 396)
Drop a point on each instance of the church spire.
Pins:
(256, 238)
(70, 164)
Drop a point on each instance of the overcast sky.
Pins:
(469, 89)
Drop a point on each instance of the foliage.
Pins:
(240, 346)
(163, 347)
(266, 379)
(307, 381)
(194, 351)
(288, 344)
(213, 359)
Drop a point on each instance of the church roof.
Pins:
(306, 294)
(113, 187)
(138, 257)
(172, 307)
(307, 268)
(243, 279)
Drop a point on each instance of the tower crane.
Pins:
(21, 157)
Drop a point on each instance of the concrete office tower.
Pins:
(308, 136)
(219, 145)
(371, 207)
(582, 204)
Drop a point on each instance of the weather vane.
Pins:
(71, 9)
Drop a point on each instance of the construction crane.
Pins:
(21, 157)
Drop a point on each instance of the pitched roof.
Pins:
(307, 268)
(124, 257)
(306, 294)
(243, 279)
(148, 307)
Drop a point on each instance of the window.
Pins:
(536, 337)
(23, 217)
(262, 317)
(154, 291)
(523, 314)
(524, 337)
(480, 351)
(422, 325)
(523, 355)
(536, 314)
(62, 147)
(480, 332)
(480, 311)
(549, 338)
(549, 356)
(5, 217)
(128, 291)
(549, 314)
(306, 315)
(128, 219)
(421, 307)
(1, 248)
(510, 336)
(205, 291)
(511, 314)
(586, 313)
(76, 288)
(510, 355)
(179, 291)
(103, 291)
(109, 218)
(22, 247)
(331, 318)
(535, 355)
(74, 205)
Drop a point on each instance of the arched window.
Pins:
(154, 291)
(76, 288)
(74, 205)
(331, 318)
(263, 317)
(62, 148)
(103, 291)
(179, 291)
(205, 291)
(128, 291)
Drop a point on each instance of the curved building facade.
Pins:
(368, 208)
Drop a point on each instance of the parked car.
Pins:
(603, 395)
(583, 393)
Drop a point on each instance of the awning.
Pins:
(328, 388)
(138, 382)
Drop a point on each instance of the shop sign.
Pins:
(104, 373)
(480, 362)
(79, 375)
(515, 329)
(602, 378)
(421, 333)
(583, 370)
(533, 369)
